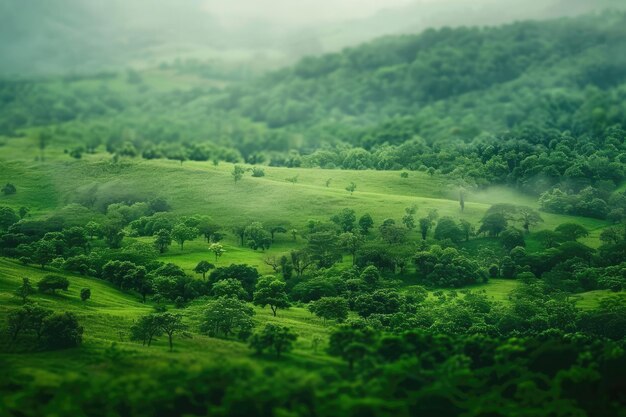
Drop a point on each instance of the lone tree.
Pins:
(182, 233)
(61, 331)
(51, 283)
(146, 329)
(171, 324)
(462, 199)
(162, 240)
(278, 339)
(85, 294)
(528, 217)
(408, 220)
(25, 290)
(217, 249)
(271, 291)
(226, 316)
(237, 173)
(351, 188)
(203, 267)
(330, 308)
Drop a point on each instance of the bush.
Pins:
(61, 331)
(258, 172)
(9, 189)
(51, 283)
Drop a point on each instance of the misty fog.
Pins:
(55, 36)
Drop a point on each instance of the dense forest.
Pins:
(429, 224)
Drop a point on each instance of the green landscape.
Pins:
(422, 224)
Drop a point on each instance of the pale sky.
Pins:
(234, 12)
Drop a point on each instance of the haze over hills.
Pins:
(40, 37)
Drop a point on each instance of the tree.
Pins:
(146, 328)
(511, 238)
(240, 231)
(462, 199)
(51, 283)
(351, 243)
(85, 294)
(23, 212)
(245, 274)
(9, 189)
(28, 318)
(271, 291)
(345, 219)
(301, 261)
(278, 339)
(572, 231)
(61, 331)
(350, 342)
(351, 188)
(162, 239)
(8, 217)
(43, 139)
(258, 237)
(425, 225)
(113, 233)
(528, 217)
(203, 267)
(76, 237)
(43, 252)
(408, 220)
(466, 228)
(277, 229)
(226, 316)
(548, 238)
(391, 233)
(237, 173)
(182, 233)
(370, 276)
(322, 248)
(493, 224)
(93, 229)
(365, 223)
(171, 324)
(217, 249)
(231, 288)
(330, 308)
(24, 290)
(448, 229)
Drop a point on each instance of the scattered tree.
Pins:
(271, 291)
(203, 267)
(85, 294)
(25, 290)
(278, 339)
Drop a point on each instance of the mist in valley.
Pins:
(40, 37)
